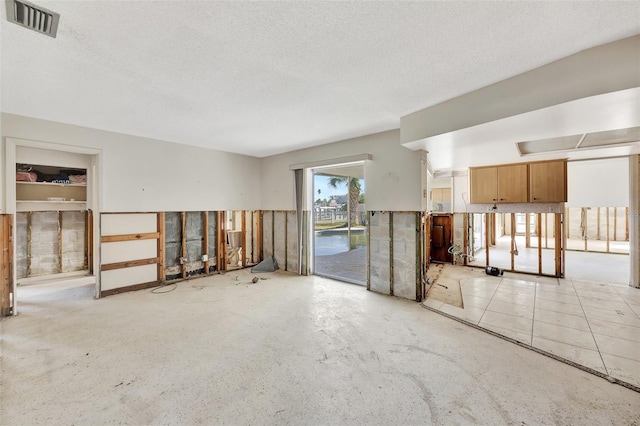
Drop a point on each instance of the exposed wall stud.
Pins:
(162, 273)
(184, 259)
(391, 253)
(368, 250)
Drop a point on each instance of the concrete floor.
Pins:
(288, 350)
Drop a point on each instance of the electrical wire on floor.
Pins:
(173, 285)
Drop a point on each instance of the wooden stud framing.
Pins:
(527, 231)
(286, 240)
(566, 218)
(259, 237)
(513, 240)
(558, 246)
(465, 236)
(615, 224)
(205, 240)
(607, 225)
(487, 235)
(586, 220)
(273, 233)
(59, 242)
(6, 284)
(368, 250)
(391, 253)
(243, 242)
(546, 231)
(161, 242)
(221, 237)
(29, 221)
(132, 237)
(130, 264)
(419, 287)
(539, 218)
(626, 224)
(183, 260)
(88, 240)
(597, 224)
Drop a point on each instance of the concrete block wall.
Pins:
(379, 253)
(292, 241)
(21, 253)
(405, 258)
(44, 259)
(280, 239)
(74, 253)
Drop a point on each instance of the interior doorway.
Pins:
(340, 223)
(441, 238)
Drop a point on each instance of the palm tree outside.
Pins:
(353, 184)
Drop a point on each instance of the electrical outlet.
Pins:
(205, 257)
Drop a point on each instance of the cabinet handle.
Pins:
(494, 199)
(501, 199)
(534, 198)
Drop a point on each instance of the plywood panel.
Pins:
(128, 250)
(123, 224)
(126, 277)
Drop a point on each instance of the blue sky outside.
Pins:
(322, 183)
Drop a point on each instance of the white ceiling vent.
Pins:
(33, 17)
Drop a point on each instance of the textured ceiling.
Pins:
(261, 78)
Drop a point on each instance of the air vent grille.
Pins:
(33, 17)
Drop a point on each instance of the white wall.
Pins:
(392, 177)
(141, 175)
(598, 183)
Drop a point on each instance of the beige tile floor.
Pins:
(593, 324)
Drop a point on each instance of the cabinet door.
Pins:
(483, 185)
(512, 184)
(548, 182)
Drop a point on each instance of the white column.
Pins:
(634, 223)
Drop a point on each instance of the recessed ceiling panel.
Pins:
(611, 137)
(562, 143)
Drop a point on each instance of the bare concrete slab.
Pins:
(287, 350)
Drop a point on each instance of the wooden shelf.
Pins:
(40, 205)
(51, 184)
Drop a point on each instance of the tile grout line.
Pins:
(490, 299)
(591, 331)
(533, 320)
(627, 303)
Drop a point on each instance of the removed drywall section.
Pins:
(44, 244)
(173, 245)
(74, 243)
(194, 239)
(379, 252)
(267, 233)
(212, 240)
(280, 238)
(405, 257)
(292, 242)
(21, 255)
